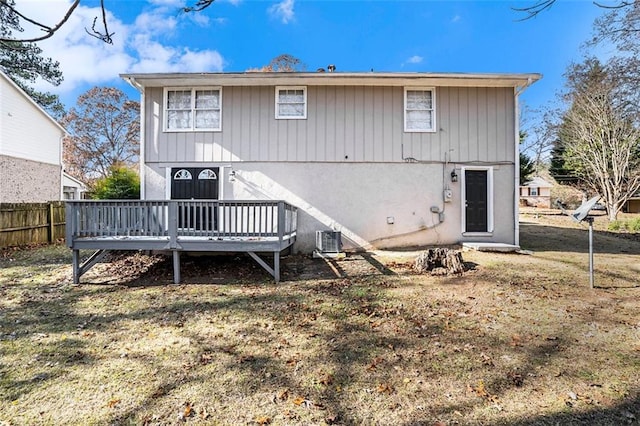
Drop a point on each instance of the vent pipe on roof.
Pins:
(331, 68)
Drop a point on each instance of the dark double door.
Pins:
(196, 183)
(476, 202)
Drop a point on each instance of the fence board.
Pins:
(31, 223)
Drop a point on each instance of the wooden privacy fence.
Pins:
(31, 223)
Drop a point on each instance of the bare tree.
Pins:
(104, 129)
(540, 129)
(281, 63)
(540, 6)
(601, 137)
(100, 31)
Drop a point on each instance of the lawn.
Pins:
(517, 340)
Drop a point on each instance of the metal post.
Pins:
(590, 220)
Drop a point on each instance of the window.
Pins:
(182, 174)
(207, 174)
(193, 109)
(419, 110)
(291, 102)
(533, 191)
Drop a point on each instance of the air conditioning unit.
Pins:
(328, 241)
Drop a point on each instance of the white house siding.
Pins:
(358, 199)
(26, 181)
(345, 124)
(25, 130)
(30, 149)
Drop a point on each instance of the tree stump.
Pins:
(439, 261)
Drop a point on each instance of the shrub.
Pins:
(634, 225)
(122, 183)
(616, 225)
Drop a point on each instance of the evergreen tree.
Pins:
(24, 63)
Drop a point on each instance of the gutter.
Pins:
(518, 90)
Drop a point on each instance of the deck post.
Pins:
(76, 266)
(70, 224)
(176, 267)
(281, 222)
(276, 266)
(173, 225)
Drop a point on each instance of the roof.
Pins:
(140, 81)
(538, 182)
(30, 99)
(71, 181)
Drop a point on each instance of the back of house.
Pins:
(387, 159)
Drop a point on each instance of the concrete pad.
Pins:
(499, 247)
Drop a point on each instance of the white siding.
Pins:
(344, 124)
(357, 199)
(25, 130)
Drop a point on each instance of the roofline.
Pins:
(30, 99)
(140, 81)
(78, 181)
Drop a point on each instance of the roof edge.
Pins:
(141, 80)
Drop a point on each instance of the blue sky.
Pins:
(234, 35)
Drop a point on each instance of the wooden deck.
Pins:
(250, 227)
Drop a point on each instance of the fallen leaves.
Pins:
(385, 388)
(113, 402)
(263, 420)
(480, 390)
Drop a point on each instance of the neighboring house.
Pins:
(536, 193)
(72, 188)
(388, 159)
(30, 148)
(632, 205)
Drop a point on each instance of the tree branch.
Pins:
(106, 36)
(535, 9)
(198, 6)
(49, 31)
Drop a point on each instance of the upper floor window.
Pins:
(291, 102)
(193, 109)
(419, 110)
(533, 191)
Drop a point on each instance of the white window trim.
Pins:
(288, 117)
(490, 206)
(433, 103)
(193, 109)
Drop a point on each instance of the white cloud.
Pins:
(415, 59)
(283, 11)
(85, 60)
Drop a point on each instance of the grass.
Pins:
(517, 340)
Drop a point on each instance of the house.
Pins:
(30, 148)
(72, 188)
(536, 193)
(632, 205)
(256, 161)
(388, 159)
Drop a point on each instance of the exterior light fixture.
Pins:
(232, 176)
(454, 176)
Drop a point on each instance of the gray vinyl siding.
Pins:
(344, 124)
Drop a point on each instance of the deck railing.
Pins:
(213, 219)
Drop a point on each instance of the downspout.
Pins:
(516, 193)
(141, 166)
(143, 185)
(61, 197)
